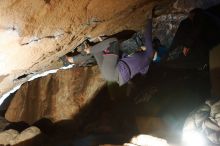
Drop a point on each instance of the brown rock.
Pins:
(214, 64)
(152, 125)
(47, 29)
(146, 140)
(27, 134)
(36, 33)
(186, 5)
(57, 96)
(7, 136)
(3, 123)
(12, 137)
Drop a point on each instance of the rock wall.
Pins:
(37, 33)
(12, 137)
(57, 96)
(34, 34)
(186, 5)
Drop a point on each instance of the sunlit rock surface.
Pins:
(26, 135)
(57, 96)
(146, 140)
(34, 34)
(3, 123)
(12, 137)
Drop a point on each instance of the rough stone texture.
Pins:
(3, 123)
(57, 96)
(12, 137)
(7, 136)
(186, 5)
(37, 33)
(34, 34)
(151, 125)
(146, 140)
(165, 26)
(214, 64)
(26, 135)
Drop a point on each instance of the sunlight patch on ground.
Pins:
(147, 140)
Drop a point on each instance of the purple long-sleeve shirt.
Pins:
(129, 66)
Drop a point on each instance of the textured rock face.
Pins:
(186, 5)
(7, 136)
(36, 33)
(33, 34)
(166, 24)
(143, 140)
(12, 137)
(58, 96)
(25, 135)
(3, 123)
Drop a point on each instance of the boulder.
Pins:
(12, 137)
(57, 96)
(34, 34)
(7, 136)
(27, 134)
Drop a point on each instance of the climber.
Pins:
(122, 69)
(129, 41)
(136, 57)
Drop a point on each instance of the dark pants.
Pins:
(107, 63)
